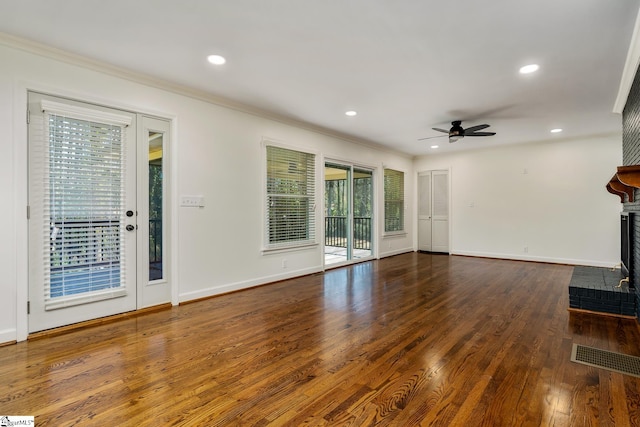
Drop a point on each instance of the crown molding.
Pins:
(47, 51)
(630, 68)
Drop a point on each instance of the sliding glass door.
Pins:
(348, 213)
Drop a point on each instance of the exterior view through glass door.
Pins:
(348, 213)
(153, 288)
(156, 198)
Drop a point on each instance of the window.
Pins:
(393, 200)
(290, 210)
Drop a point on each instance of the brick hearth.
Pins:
(596, 289)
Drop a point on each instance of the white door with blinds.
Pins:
(82, 212)
(433, 211)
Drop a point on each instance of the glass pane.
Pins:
(362, 212)
(336, 202)
(84, 204)
(156, 186)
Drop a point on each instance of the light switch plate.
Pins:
(192, 201)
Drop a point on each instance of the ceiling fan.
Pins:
(457, 132)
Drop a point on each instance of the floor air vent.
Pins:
(617, 362)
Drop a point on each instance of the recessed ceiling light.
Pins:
(435, 146)
(216, 59)
(351, 113)
(531, 68)
(556, 130)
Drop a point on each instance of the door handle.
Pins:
(130, 227)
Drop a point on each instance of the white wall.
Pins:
(549, 197)
(216, 153)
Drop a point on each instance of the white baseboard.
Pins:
(518, 257)
(231, 287)
(8, 335)
(395, 252)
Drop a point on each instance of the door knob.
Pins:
(130, 227)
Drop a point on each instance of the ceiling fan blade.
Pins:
(475, 128)
(431, 137)
(440, 130)
(479, 134)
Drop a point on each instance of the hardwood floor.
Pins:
(414, 339)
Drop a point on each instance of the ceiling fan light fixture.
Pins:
(458, 132)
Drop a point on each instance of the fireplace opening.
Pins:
(626, 245)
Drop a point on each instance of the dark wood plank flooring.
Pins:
(415, 339)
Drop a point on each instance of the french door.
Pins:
(348, 213)
(82, 212)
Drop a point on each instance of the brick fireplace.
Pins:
(595, 289)
(631, 157)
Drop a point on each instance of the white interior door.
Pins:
(440, 211)
(82, 203)
(424, 211)
(433, 211)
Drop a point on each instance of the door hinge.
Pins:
(28, 116)
(28, 307)
(28, 212)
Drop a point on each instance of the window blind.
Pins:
(290, 210)
(83, 205)
(393, 200)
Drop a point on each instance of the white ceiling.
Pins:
(405, 66)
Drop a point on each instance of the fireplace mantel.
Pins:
(626, 179)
